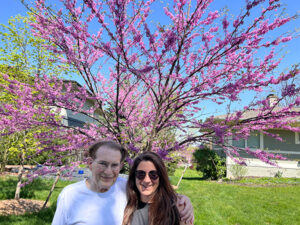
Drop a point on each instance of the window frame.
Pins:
(261, 141)
(297, 138)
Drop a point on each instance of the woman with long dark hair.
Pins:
(151, 198)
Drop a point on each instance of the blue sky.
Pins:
(11, 8)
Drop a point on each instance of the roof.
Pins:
(254, 113)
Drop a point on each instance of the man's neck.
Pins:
(94, 186)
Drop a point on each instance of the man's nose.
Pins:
(108, 169)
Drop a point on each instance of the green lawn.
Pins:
(221, 203)
(214, 203)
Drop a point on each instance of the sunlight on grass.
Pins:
(222, 203)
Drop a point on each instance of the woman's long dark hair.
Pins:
(163, 210)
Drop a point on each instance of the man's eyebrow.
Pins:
(103, 161)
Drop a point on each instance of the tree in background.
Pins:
(22, 57)
(145, 78)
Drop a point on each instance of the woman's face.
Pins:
(146, 180)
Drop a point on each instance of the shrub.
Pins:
(125, 169)
(8, 188)
(238, 171)
(173, 164)
(278, 174)
(210, 164)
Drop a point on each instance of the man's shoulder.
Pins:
(122, 178)
(71, 188)
(121, 184)
(122, 181)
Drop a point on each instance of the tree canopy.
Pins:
(145, 78)
(22, 58)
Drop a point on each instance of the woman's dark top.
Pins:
(140, 216)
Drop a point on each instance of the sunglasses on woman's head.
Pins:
(141, 174)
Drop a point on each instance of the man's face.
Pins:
(105, 167)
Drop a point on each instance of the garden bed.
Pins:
(19, 207)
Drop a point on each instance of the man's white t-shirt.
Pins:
(77, 204)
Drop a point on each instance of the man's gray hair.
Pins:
(110, 144)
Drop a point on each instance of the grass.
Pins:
(38, 189)
(213, 202)
(270, 181)
(222, 203)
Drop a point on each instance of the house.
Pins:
(72, 119)
(78, 120)
(288, 148)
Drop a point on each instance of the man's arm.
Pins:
(185, 209)
(59, 216)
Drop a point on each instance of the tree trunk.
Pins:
(185, 167)
(52, 188)
(3, 161)
(3, 155)
(20, 174)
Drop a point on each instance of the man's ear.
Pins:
(121, 165)
(89, 161)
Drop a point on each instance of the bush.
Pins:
(125, 169)
(8, 188)
(278, 174)
(238, 171)
(172, 165)
(210, 164)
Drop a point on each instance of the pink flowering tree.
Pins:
(146, 79)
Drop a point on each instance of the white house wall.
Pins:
(257, 168)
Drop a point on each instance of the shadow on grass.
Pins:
(8, 187)
(42, 217)
(194, 178)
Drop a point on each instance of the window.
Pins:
(297, 137)
(72, 122)
(253, 141)
(239, 143)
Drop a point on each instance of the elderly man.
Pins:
(101, 199)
